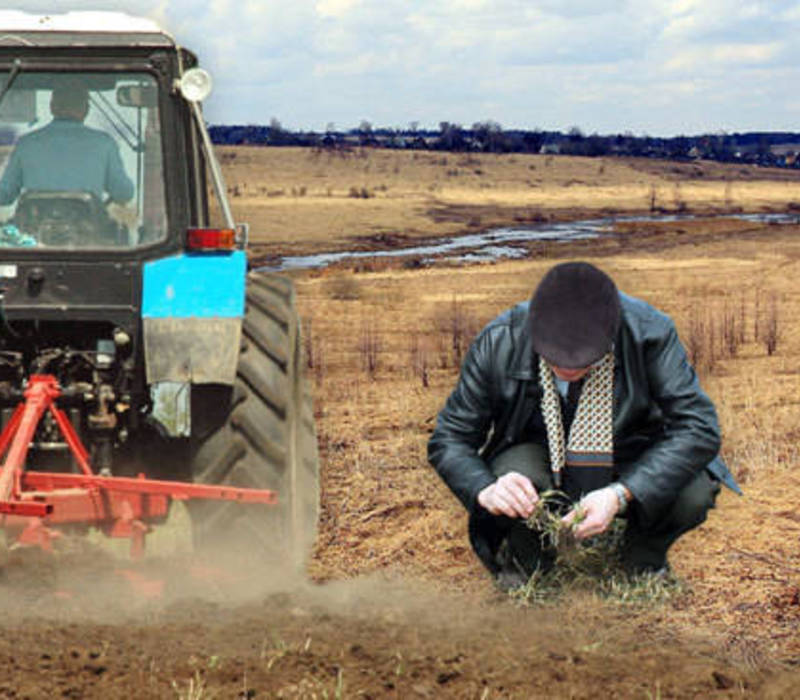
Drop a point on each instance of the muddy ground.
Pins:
(81, 632)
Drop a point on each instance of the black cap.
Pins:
(574, 315)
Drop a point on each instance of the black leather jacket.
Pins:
(665, 426)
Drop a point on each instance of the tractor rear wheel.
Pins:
(262, 437)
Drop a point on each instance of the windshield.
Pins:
(81, 161)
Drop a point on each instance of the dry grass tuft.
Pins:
(591, 565)
(457, 328)
(344, 288)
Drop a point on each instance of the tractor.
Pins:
(140, 360)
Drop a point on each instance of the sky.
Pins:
(648, 67)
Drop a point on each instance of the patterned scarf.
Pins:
(587, 456)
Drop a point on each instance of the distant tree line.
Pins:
(781, 149)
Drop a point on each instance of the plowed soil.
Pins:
(393, 604)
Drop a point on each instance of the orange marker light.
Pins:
(210, 239)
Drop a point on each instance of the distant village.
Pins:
(769, 149)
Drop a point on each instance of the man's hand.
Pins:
(512, 494)
(593, 514)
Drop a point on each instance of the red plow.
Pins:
(33, 504)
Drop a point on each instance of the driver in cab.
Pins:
(66, 155)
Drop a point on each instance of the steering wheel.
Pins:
(66, 219)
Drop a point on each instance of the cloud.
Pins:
(611, 65)
(723, 55)
(335, 8)
(727, 20)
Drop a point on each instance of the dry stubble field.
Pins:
(395, 605)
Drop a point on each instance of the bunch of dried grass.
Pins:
(592, 565)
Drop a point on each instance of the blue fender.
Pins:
(192, 310)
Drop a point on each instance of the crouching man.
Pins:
(588, 391)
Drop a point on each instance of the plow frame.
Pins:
(33, 502)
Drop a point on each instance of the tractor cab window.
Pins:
(80, 155)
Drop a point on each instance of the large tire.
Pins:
(265, 438)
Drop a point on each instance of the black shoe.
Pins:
(520, 556)
(511, 574)
(528, 552)
(508, 580)
(662, 572)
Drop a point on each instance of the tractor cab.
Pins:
(81, 143)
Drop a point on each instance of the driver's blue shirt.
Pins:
(66, 155)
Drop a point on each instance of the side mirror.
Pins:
(137, 96)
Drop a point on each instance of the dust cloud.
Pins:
(377, 632)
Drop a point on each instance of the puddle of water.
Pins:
(488, 246)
